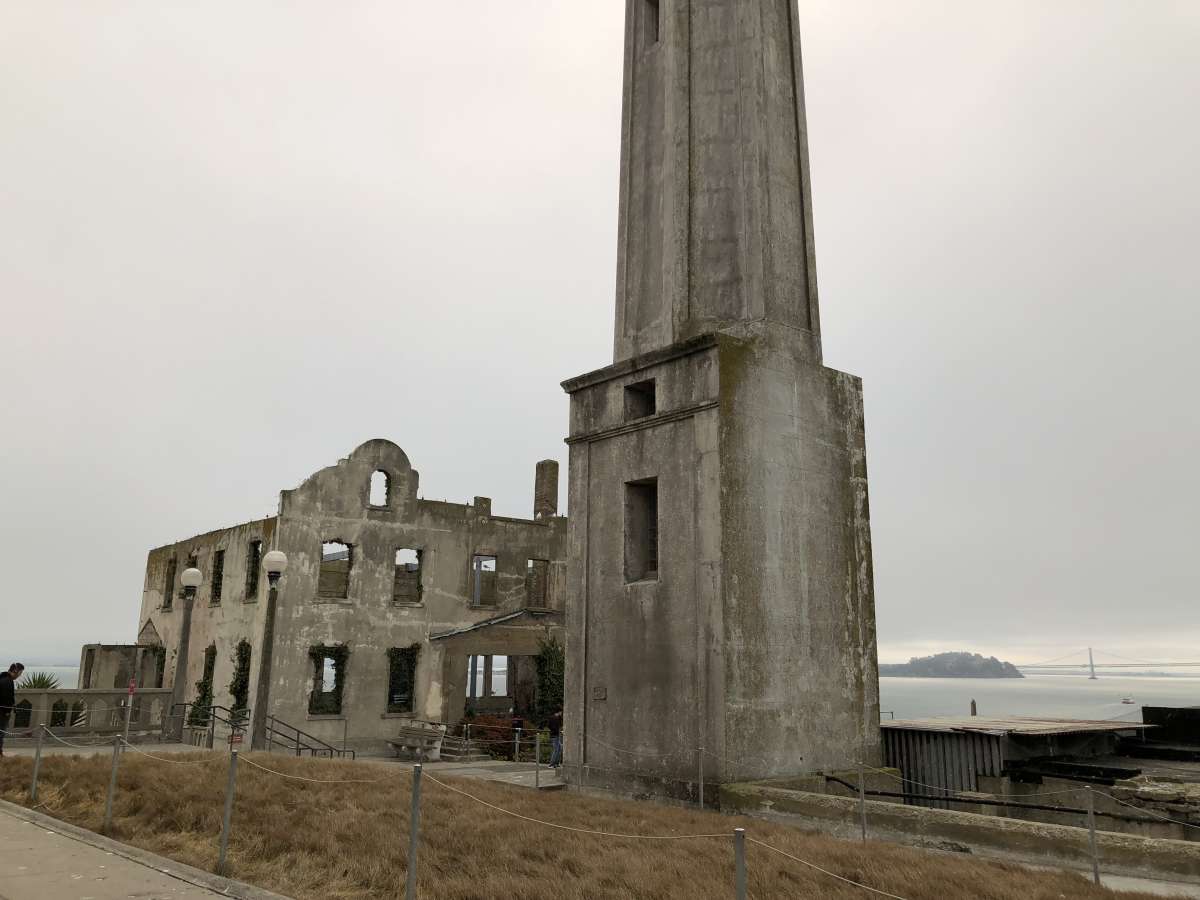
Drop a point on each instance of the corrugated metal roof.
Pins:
(1011, 725)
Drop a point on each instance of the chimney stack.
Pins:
(545, 489)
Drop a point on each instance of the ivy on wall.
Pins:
(239, 688)
(322, 702)
(551, 678)
(198, 715)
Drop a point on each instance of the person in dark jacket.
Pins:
(8, 698)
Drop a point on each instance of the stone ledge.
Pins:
(1036, 842)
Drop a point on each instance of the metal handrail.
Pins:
(317, 747)
(237, 720)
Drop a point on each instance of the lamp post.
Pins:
(190, 579)
(275, 563)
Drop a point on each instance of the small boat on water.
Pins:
(1128, 701)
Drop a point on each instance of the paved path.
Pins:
(38, 864)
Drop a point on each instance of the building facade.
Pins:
(386, 599)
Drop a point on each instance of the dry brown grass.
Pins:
(349, 841)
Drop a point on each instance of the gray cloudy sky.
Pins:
(237, 239)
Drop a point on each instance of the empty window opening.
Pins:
(486, 676)
(402, 678)
(337, 559)
(329, 680)
(406, 584)
(641, 530)
(22, 714)
(640, 400)
(537, 572)
(168, 597)
(58, 714)
(218, 575)
(381, 488)
(483, 580)
(253, 564)
(652, 18)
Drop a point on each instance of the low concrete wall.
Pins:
(947, 830)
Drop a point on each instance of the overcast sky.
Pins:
(237, 239)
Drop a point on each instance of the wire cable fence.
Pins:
(740, 838)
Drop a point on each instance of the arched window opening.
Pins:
(381, 489)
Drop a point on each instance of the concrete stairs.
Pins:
(455, 749)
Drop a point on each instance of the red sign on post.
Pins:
(132, 686)
(234, 740)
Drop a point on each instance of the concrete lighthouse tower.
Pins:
(721, 583)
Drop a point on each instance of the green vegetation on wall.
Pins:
(239, 688)
(38, 681)
(198, 715)
(551, 676)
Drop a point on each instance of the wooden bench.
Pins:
(418, 738)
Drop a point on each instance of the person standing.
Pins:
(8, 698)
(555, 727)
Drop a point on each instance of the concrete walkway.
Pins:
(519, 774)
(41, 864)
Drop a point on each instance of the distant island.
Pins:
(951, 665)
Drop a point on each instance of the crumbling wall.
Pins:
(385, 608)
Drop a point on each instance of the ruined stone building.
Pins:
(720, 547)
(386, 599)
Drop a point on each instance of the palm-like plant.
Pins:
(38, 681)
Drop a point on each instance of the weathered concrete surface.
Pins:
(45, 859)
(105, 666)
(334, 504)
(715, 221)
(944, 829)
(753, 643)
(756, 641)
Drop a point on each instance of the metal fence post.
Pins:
(517, 745)
(862, 799)
(112, 784)
(129, 707)
(212, 728)
(414, 828)
(700, 775)
(37, 763)
(230, 787)
(537, 760)
(1091, 820)
(739, 860)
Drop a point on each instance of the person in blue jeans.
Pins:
(555, 726)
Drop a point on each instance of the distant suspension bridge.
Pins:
(1091, 665)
